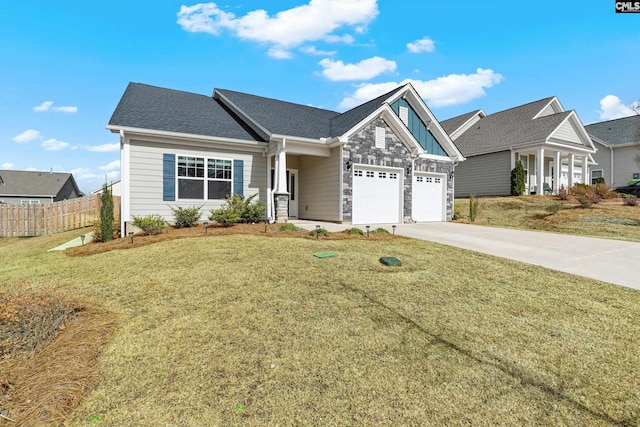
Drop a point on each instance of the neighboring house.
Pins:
(386, 161)
(34, 188)
(618, 155)
(114, 186)
(540, 134)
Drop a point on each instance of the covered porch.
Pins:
(547, 169)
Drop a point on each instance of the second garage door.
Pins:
(376, 195)
(428, 197)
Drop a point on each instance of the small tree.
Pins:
(517, 180)
(106, 214)
(473, 207)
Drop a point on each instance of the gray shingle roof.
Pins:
(452, 124)
(281, 117)
(151, 107)
(33, 183)
(616, 132)
(512, 127)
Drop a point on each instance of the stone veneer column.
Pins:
(282, 207)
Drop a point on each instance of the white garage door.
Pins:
(376, 195)
(428, 197)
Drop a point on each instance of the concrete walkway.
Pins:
(611, 261)
(75, 242)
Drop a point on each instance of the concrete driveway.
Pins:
(611, 261)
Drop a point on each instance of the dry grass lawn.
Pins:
(241, 329)
(610, 219)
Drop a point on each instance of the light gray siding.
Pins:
(319, 195)
(603, 160)
(567, 132)
(485, 175)
(625, 164)
(145, 178)
(18, 200)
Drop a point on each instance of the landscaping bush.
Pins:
(238, 208)
(554, 208)
(631, 200)
(106, 214)
(380, 230)
(473, 207)
(319, 232)
(97, 231)
(354, 230)
(563, 193)
(517, 180)
(186, 217)
(586, 195)
(289, 227)
(604, 191)
(150, 224)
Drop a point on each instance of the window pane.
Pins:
(190, 189)
(218, 189)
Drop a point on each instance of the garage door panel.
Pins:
(376, 196)
(428, 197)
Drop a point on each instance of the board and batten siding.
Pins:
(484, 175)
(625, 164)
(146, 177)
(320, 195)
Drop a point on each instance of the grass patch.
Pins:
(220, 334)
(546, 213)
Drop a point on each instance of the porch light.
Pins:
(450, 175)
(393, 227)
(348, 164)
(206, 226)
(317, 231)
(368, 227)
(131, 236)
(82, 239)
(409, 170)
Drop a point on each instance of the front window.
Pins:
(595, 176)
(30, 202)
(194, 184)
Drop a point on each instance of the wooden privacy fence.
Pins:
(36, 220)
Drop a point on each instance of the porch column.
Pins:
(557, 172)
(513, 159)
(270, 213)
(572, 159)
(540, 172)
(281, 195)
(586, 179)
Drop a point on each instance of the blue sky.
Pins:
(66, 64)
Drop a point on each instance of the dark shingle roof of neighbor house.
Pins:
(34, 183)
(151, 107)
(616, 132)
(515, 126)
(452, 124)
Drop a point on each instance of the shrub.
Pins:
(106, 214)
(289, 227)
(456, 212)
(354, 230)
(517, 180)
(631, 200)
(563, 194)
(238, 208)
(599, 180)
(473, 207)
(380, 230)
(604, 191)
(554, 208)
(150, 224)
(97, 231)
(186, 217)
(586, 195)
(319, 232)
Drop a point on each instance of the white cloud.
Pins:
(424, 44)
(7, 166)
(287, 29)
(27, 136)
(448, 90)
(312, 50)
(363, 70)
(103, 148)
(47, 105)
(113, 166)
(88, 180)
(54, 145)
(44, 106)
(612, 108)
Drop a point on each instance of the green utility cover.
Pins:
(325, 254)
(390, 260)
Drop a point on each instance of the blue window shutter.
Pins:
(168, 177)
(238, 171)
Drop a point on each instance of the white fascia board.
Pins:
(578, 127)
(299, 148)
(436, 157)
(553, 101)
(598, 141)
(479, 114)
(291, 138)
(264, 132)
(187, 138)
(626, 144)
(429, 120)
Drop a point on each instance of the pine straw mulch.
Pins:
(213, 231)
(42, 386)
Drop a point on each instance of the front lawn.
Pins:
(610, 219)
(248, 330)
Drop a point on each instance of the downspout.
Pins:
(611, 182)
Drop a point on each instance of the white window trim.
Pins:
(204, 179)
